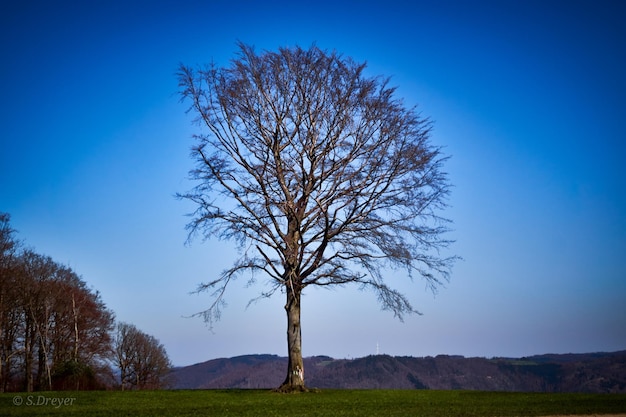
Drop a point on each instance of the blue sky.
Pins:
(527, 97)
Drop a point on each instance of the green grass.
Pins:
(325, 403)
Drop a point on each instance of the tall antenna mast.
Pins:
(377, 349)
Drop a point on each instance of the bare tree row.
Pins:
(55, 332)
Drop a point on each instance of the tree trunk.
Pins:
(295, 367)
(28, 357)
(76, 340)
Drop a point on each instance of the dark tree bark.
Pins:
(29, 336)
(330, 180)
(10, 294)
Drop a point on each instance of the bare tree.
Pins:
(142, 360)
(329, 179)
(125, 352)
(82, 333)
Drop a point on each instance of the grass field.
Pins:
(324, 403)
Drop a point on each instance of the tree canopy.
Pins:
(319, 173)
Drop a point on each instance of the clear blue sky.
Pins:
(528, 97)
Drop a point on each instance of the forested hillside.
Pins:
(595, 372)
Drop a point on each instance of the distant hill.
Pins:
(592, 372)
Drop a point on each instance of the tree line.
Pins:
(56, 333)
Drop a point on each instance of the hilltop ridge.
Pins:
(599, 372)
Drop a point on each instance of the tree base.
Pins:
(291, 389)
